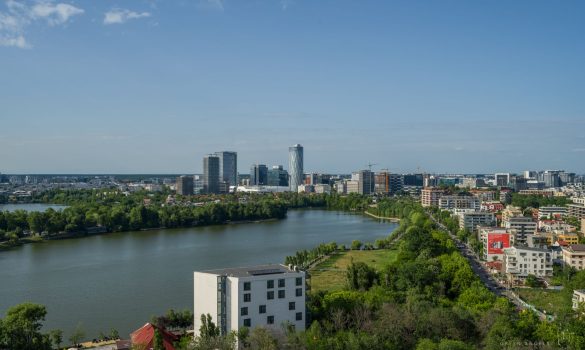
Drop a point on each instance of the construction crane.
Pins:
(370, 165)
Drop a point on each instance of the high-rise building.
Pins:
(228, 167)
(388, 183)
(295, 166)
(211, 174)
(277, 176)
(365, 179)
(184, 185)
(258, 175)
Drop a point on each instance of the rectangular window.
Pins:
(247, 322)
(281, 283)
(270, 320)
(247, 285)
(247, 297)
(270, 284)
(299, 281)
(281, 294)
(299, 292)
(299, 316)
(270, 295)
(244, 311)
(262, 309)
(291, 305)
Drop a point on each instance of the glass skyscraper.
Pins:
(295, 167)
(211, 174)
(228, 167)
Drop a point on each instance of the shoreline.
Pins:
(4, 246)
(394, 220)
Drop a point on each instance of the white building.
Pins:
(471, 219)
(266, 295)
(459, 202)
(578, 298)
(322, 188)
(552, 212)
(520, 262)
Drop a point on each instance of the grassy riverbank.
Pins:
(330, 274)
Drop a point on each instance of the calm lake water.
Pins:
(120, 280)
(31, 207)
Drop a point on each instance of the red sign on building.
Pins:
(497, 242)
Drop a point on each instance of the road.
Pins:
(481, 272)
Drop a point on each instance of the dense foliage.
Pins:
(533, 201)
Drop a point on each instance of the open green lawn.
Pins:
(550, 301)
(330, 274)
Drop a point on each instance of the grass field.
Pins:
(330, 274)
(545, 300)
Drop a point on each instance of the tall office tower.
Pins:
(258, 175)
(366, 181)
(295, 167)
(184, 185)
(211, 174)
(551, 178)
(228, 167)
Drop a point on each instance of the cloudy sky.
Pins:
(152, 86)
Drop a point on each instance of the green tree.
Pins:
(57, 337)
(158, 341)
(22, 326)
(356, 244)
(208, 329)
(77, 336)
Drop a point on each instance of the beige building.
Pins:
(429, 196)
(576, 210)
(510, 212)
(574, 256)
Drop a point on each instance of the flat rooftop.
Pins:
(258, 270)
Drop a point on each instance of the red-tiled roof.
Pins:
(145, 337)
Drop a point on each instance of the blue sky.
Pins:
(152, 86)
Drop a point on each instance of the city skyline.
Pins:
(459, 87)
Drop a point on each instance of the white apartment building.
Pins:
(459, 202)
(265, 295)
(471, 219)
(520, 262)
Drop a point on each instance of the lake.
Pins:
(120, 280)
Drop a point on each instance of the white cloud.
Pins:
(118, 16)
(20, 14)
(55, 14)
(18, 41)
(285, 4)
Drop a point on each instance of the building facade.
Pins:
(522, 227)
(574, 256)
(471, 220)
(277, 176)
(459, 202)
(266, 296)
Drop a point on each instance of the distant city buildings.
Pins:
(277, 176)
(258, 175)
